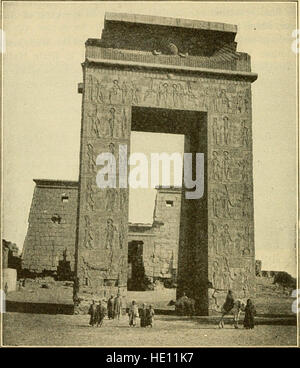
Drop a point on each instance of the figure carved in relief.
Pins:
(125, 91)
(190, 94)
(115, 92)
(243, 165)
(109, 233)
(96, 127)
(86, 274)
(242, 103)
(246, 203)
(150, 91)
(215, 203)
(215, 131)
(88, 238)
(216, 167)
(111, 199)
(244, 134)
(134, 91)
(226, 240)
(226, 130)
(225, 101)
(111, 161)
(124, 124)
(121, 235)
(178, 95)
(163, 94)
(90, 203)
(216, 275)
(91, 158)
(215, 236)
(99, 97)
(226, 202)
(226, 165)
(227, 276)
(123, 198)
(111, 121)
(175, 95)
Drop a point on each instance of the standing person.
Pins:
(250, 313)
(118, 306)
(101, 313)
(6, 288)
(110, 307)
(227, 307)
(150, 316)
(133, 314)
(143, 315)
(93, 314)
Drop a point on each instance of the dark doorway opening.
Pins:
(136, 270)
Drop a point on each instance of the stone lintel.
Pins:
(170, 22)
(227, 74)
(170, 189)
(52, 183)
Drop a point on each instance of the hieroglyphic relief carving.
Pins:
(86, 274)
(222, 277)
(94, 89)
(88, 238)
(110, 232)
(111, 121)
(115, 92)
(226, 166)
(91, 158)
(123, 199)
(244, 134)
(216, 167)
(225, 202)
(226, 240)
(122, 232)
(242, 102)
(111, 199)
(90, 202)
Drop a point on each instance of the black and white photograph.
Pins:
(149, 174)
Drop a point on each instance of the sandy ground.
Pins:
(276, 324)
(57, 330)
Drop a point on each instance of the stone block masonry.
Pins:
(190, 71)
(51, 225)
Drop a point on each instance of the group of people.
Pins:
(236, 306)
(113, 310)
(146, 315)
(97, 313)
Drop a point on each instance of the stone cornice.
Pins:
(52, 183)
(228, 74)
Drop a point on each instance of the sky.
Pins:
(42, 109)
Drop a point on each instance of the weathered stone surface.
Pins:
(51, 225)
(212, 107)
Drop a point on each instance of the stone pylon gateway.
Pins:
(180, 76)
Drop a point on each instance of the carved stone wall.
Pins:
(213, 110)
(51, 225)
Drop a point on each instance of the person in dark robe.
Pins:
(227, 307)
(150, 316)
(143, 315)
(118, 306)
(110, 307)
(100, 313)
(250, 313)
(93, 314)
